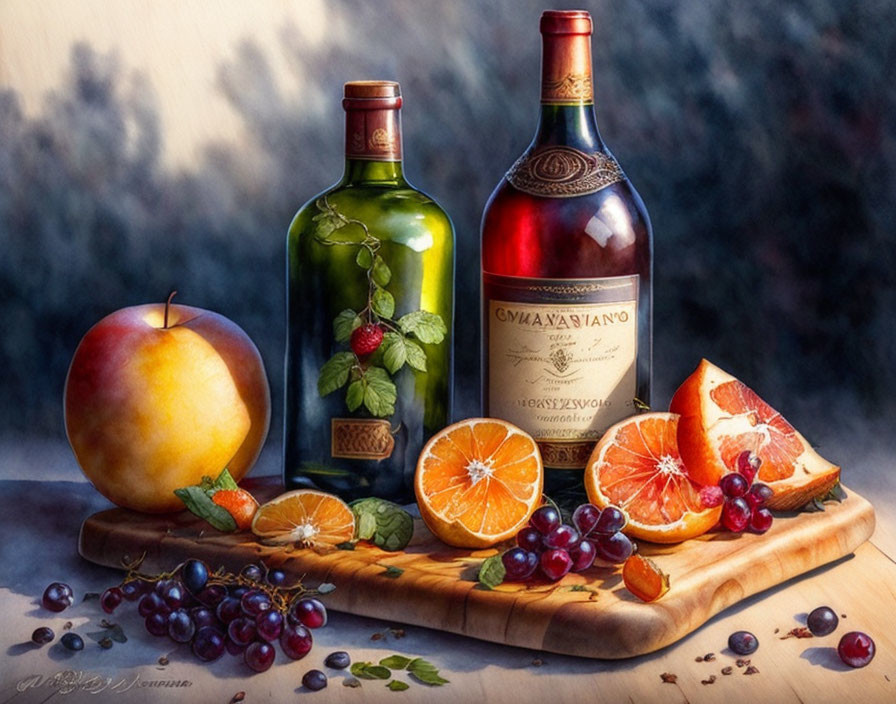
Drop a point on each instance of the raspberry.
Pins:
(366, 339)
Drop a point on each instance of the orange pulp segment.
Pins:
(304, 517)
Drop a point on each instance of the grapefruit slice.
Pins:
(722, 417)
(478, 481)
(304, 517)
(637, 467)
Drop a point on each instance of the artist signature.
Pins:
(68, 681)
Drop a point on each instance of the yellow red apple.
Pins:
(158, 396)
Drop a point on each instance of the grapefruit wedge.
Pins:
(722, 417)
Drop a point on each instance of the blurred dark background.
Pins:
(760, 135)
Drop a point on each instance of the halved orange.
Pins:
(636, 466)
(722, 417)
(478, 481)
(304, 517)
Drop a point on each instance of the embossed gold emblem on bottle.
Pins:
(563, 172)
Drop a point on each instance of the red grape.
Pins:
(555, 563)
(585, 517)
(259, 656)
(612, 520)
(736, 515)
(309, 612)
(545, 519)
(761, 520)
(208, 644)
(529, 539)
(856, 649)
(582, 556)
(110, 599)
(733, 485)
(57, 597)
(519, 564)
(295, 641)
(615, 548)
(564, 537)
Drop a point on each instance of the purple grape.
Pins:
(529, 539)
(194, 575)
(758, 495)
(242, 630)
(110, 599)
(133, 589)
(309, 612)
(736, 514)
(203, 616)
(181, 627)
(822, 621)
(314, 680)
(615, 548)
(760, 520)
(338, 660)
(254, 601)
(212, 595)
(259, 656)
(208, 644)
(612, 520)
(174, 595)
(582, 556)
(295, 641)
(519, 564)
(276, 578)
(253, 572)
(585, 518)
(545, 519)
(233, 648)
(152, 603)
(57, 597)
(555, 563)
(563, 537)
(747, 464)
(269, 624)
(157, 624)
(855, 648)
(42, 635)
(238, 591)
(229, 609)
(72, 641)
(734, 485)
(743, 642)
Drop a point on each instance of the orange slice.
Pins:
(304, 517)
(644, 579)
(721, 417)
(478, 481)
(636, 466)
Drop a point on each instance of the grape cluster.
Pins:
(243, 614)
(743, 499)
(553, 548)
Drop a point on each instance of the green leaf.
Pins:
(383, 303)
(396, 662)
(836, 493)
(354, 396)
(416, 355)
(366, 526)
(379, 392)
(425, 672)
(114, 632)
(369, 671)
(334, 373)
(351, 682)
(225, 481)
(327, 221)
(398, 686)
(492, 572)
(382, 274)
(393, 526)
(201, 504)
(394, 351)
(391, 571)
(364, 258)
(426, 327)
(344, 325)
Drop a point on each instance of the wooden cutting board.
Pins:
(590, 614)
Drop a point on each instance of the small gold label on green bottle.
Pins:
(361, 438)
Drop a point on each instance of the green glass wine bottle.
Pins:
(370, 298)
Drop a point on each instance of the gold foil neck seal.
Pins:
(372, 127)
(566, 58)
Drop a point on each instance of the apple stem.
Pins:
(167, 306)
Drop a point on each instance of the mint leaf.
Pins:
(393, 527)
(327, 221)
(396, 662)
(344, 325)
(382, 274)
(383, 303)
(492, 572)
(369, 671)
(200, 503)
(354, 397)
(425, 672)
(364, 258)
(391, 571)
(398, 686)
(334, 373)
(379, 392)
(394, 351)
(416, 355)
(225, 481)
(426, 327)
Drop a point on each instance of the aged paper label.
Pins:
(564, 369)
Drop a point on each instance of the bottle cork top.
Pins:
(566, 22)
(361, 90)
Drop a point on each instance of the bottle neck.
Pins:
(373, 140)
(366, 172)
(567, 92)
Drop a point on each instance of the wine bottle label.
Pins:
(374, 135)
(563, 172)
(361, 438)
(562, 359)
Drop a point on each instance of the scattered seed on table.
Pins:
(751, 670)
(709, 657)
(710, 680)
(699, 658)
(163, 661)
(669, 678)
(238, 697)
(727, 670)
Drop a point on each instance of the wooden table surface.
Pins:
(861, 587)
